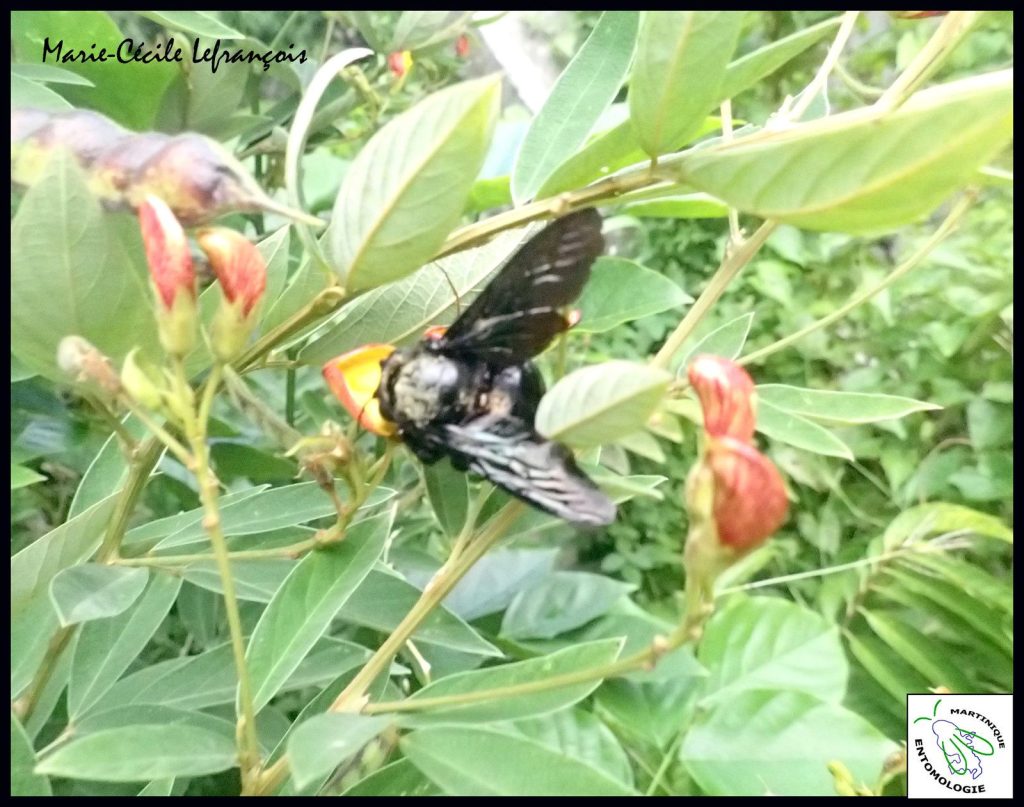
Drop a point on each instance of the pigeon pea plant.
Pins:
(334, 642)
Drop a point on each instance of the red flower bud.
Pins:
(238, 265)
(174, 278)
(399, 62)
(462, 46)
(727, 397)
(749, 499)
(170, 264)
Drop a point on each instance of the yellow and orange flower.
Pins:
(354, 378)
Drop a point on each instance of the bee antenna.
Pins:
(455, 291)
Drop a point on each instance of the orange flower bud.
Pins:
(238, 265)
(172, 273)
(749, 496)
(399, 62)
(727, 397)
(462, 46)
(242, 274)
(435, 332)
(354, 378)
(170, 264)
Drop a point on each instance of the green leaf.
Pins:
(140, 752)
(510, 706)
(399, 312)
(584, 90)
(95, 591)
(748, 70)
(32, 625)
(130, 94)
(680, 63)
(685, 206)
(726, 340)
(448, 495)
(780, 743)
(303, 608)
(652, 711)
(70, 274)
(604, 306)
(266, 511)
(106, 647)
(989, 425)
(37, 564)
(108, 470)
(148, 714)
(275, 249)
(48, 74)
(158, 787)
(581, 736)
(408, 186)
(485, 762)
(22, 477)
(798, 431)
(24, 780)
(767, 643)
(151, 533)
(890, 671)
(600, 403)
(605, 153)
(421, 29)
(400, 778)
(493, 581)
(383, 600)
(200, 23)
(323, 742)
(559, 603)
(864, 171)
(918, 650)
(26, 93)
(839, 407)
(255, 580)
(941, 517)
(208, 679)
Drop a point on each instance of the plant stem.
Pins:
(482, 231)
(26, 704)
(297, 142)
(144, 458)
(143, 461)
(735, 236)
(248, 756)
(947, 227)
(811, 91)
(731, 265)
(353, 696)
(170, 561)
(687, 631)
(164, 436)
(951, 31)
(326, 302)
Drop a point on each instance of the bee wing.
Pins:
(514, 457)
(517, 315)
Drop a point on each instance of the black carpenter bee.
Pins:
(470, 392)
